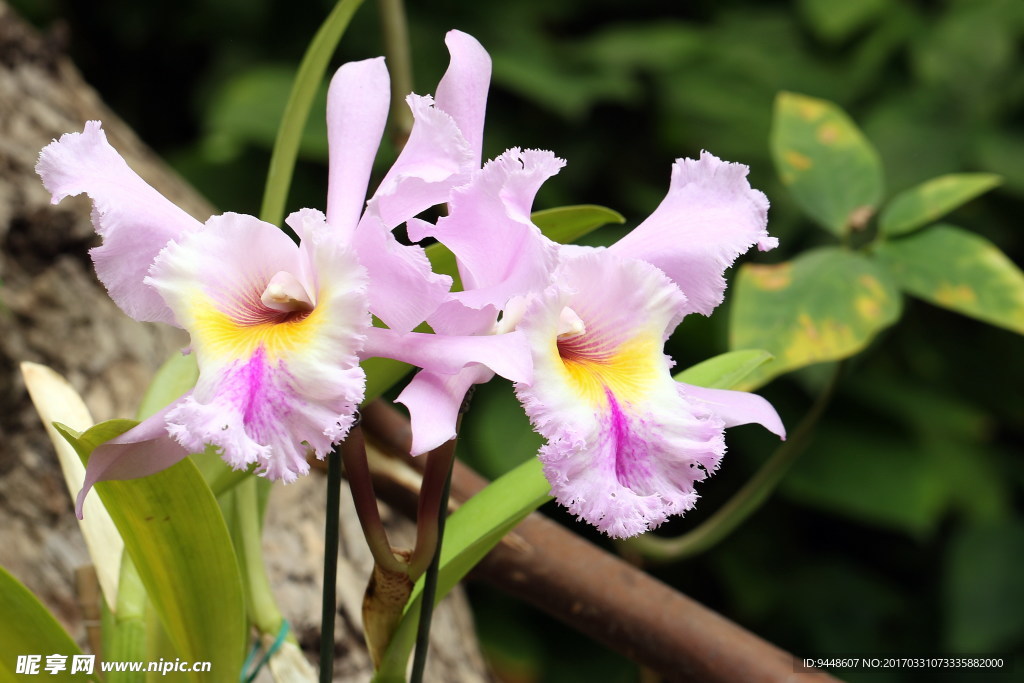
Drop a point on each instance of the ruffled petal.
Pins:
(404, 290)
(434, 401)
(624, 447)
(710, 216)
(735, 408)
(357, 110)
(143, 450)
(435, 159)
(506, 354)
(500, 252)
(135, 220)
(453, 317)
(272, 384)
(462, 92)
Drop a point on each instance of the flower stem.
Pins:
(247, 522)
(331, 533)
(419, 661)
(433, 503)
(353, 453)
(747, 500)
(396, 46)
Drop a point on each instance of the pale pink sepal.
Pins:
(143, 450)
(500, 252)
(357, 111)
(710, 216)
(506, 354)
(435, 159)
(135, 220)
(404, 289)
(736, 408)
(434, 401)
(462, 92)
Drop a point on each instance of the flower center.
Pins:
(285, 293)
(598, 363)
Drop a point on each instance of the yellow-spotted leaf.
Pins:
(834, 173)
(824, 305)
(932, 200)
(958, 270)
(26, 629)
(176, 537)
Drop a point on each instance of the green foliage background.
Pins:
(901, 530)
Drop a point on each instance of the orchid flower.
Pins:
(625, 442)
(278, 328)
(498, 267)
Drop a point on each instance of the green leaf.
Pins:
(836, 21)
(175, 535)
(178, 374)
(308, 80)
(27, 628)
(470, 533)
(880, 479)
(248, 110)
(724, 371)
(834, 173)
(984, 588)
(57, 401)
(958, 270)
(932, 200)
(826, 304)
(566, 224)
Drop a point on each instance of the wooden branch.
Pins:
(598, 593)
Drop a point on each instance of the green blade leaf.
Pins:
(471, 532)
(57, 401)
(932, 200)
(27, 628)
(724, 371)
(289, 136)
(175, 535)
(826, 304)
(958, 270)
(834, 173)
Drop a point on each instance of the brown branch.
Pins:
(599, 594)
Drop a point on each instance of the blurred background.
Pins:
(901, 530)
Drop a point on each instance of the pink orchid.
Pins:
(278, 328)
(625, 442)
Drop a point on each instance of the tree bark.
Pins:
(54, 311)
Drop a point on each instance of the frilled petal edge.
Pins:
(135, 220)
(710, 216)
(624, 446)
